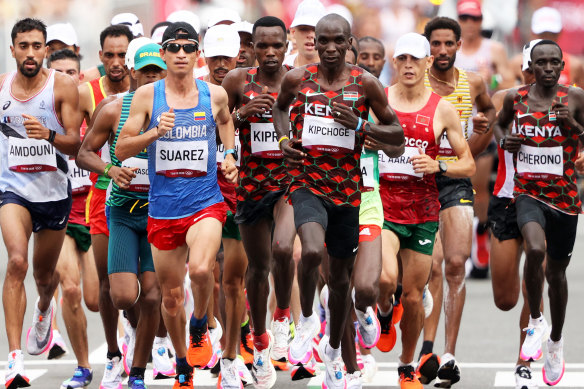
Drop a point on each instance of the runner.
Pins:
(186, 209)
(550, 121)
(62, 36)
(265, 219)
(39, 112)
(302, 31)
(371, 54)
(466, 91)
(326, 199)
(247, 56)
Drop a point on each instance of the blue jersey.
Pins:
(182, 164)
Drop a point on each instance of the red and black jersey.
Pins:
(262, 168)
(545, 164)
(331, 168)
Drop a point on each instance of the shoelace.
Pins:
(183, 380)
(197, 337)
(384, 323)
(78, 373)
(338, 369)
(407, 375)
(529, 331)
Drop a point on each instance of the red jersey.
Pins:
(545, 164)
(331, 167)
(226, 187)
(409, 197)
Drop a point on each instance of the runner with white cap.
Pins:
(158, 30)
(246, 57)
(223, 16)
(130, 20)
(61, 36)
(302, 30)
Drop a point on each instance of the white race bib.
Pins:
(80, 182)
(400, 168)
(367, 173)
(264, 141)
(540, 163)
(31, 155)
(324, 134)
(105, 153)
(182, 159)
(140, 183)
(220, 157)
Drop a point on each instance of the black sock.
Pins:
(137, 371)
(427, 347)
(115, 354)
(482, 228)
(398, 293)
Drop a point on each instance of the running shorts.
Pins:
(454, 191)
(250, 212)
(371, 209)
(503, 218)
(417, 237)
(52, 215)
(230, 229)
(95, 211)
(368, 232)
(80, 235)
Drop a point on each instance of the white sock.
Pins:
(360, 315)
(446, 358)
(332, 353)
(401, 364)
(535, 322)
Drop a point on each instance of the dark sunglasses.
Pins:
(464, 18)
(187, 47)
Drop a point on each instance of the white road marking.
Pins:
(98, 356)
(381, 379)
(570, 379)
(201, 378)
(32, 374)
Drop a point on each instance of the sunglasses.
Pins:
(187, 47)
(464, 18)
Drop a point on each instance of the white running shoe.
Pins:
(554, 366)
(369, 329)
(523, 378)
(537, 332)
(162, 366)
(15, 377)
(324, 296)
(369, 367)
(112, 374)
(334, 376)
(40, 334)
(229, 377)
(281, 332)
(242, 370)
(262, 370)
(300, 350)
(58, 347)
(215, 335)
(428, 301)
(354, 380)
(128, 356)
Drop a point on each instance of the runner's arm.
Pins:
(447, 118)
(233, 83)
(222, 116)
(485, 117)
(69, 115)
(511, 142)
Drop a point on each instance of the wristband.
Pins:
(52, 134)
(359, 125)
(107, 169)
(233, 152)
(280, 141)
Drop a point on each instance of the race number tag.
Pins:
(140, 183)
(326, 135)
(221, 149)
(80, 182)
(182, 159)
(367, 174)
(400, 168)
(31, 155)
(540, 163)
(264, 141)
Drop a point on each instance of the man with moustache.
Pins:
(371, 55)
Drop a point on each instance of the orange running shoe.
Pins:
(388, 335)
(246, 346)
(184, 381)
(408, 378)
(200, 349)
(397, 313)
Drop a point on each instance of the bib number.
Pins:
(182, 159)
(400, 168)
(367, 174)
(540, 163)
(140, 183)
(326, 135)
(80, 182)
(31, 155)
(264, 141)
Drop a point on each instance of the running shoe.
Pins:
(358, 356)
(523, 378)
(215, 338)
(369, 367)
(262, 370)
(246, 345)
(448, 372)
(554, 365)
(136, 382)
(324, 296)
(428, 366)
(40, 334)
(15, 377)
(229, 377)
(334, 376)
(279, 353)
(354, 380)
(200, 348)
(427, 301)
(242, 371)
(307, 370)
(397, 311)
(112, 374)
(369, 329)
(300, 350)
(81, 378)
(408, 378)
(388, 336)
(162, 366)
(129, 332)
(537, 332)
(58, 348)
(128, 355)
(183, 380)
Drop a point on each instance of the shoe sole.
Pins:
(554, 382)
(300, 372)
(445, 382)
(18, 382)
(531, 358)
(307, 356)
(160, 375)
(428, 368)
(281, 365)
(56, 352)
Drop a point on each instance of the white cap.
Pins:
(157, 34)
(134, 45)
(187, 17)
(130, 20)
(221, 40)
(63, 32)
(244, 26)
(308, 13)
(413, 44)
(223, 15)
(546, 19)
(527, 53)
(341, 10)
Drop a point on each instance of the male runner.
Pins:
(76, 261)
(186, 208)
(465, 90)
(39, 113)
(371, 55)
(265, 219)
(325, 186)
(247, 57)
(408, 186)
(549, 118)
(61, 36)
(302, 31)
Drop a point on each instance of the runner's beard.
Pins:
(447, 67)
(30, 73)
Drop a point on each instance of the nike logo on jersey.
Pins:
(425, 242)
(310, 94)
(522, 115)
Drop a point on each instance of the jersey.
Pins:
(31, 168)
(139, 186)
(263, 169)
(480, 59)
(97, 92)
(227, 188)
(505, 172)
(331, 168)
(461, 99)
(545, 163)
(409, 197)
(181, 164)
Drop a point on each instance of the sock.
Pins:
(114, 354)
(384, 313)
(481, 228)
(280, 313)
(137, 371)
(332, 353)
(261, 342)
(198, 323)
(446, 358)
(427, 347)
(304, 318)
(536, 321)
(397, 294)
(182, 366)
(401, 364)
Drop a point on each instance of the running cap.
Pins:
(527, 53)
(340, 9)
(157, 34)
(413, 44)
(220, 15)
(221, 40)
(130, 20)
(244, 26)
(546, 19)
(148, 54)
(62, 32)
(470, 8)
(187, 17)
(308, 13)
(134, 45)
(179, 30)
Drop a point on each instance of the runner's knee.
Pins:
(282, 252)
(200, 272)
(454, 270)
(17, 267)
(71, 295)
(311, 256)
(172, 300)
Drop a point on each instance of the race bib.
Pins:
(31, 155)
(264, 141)
(105, 153)
(140, 183)
(445, 151)
(540, 163)
(367, 174)
(400, 168)
(182, 159)
(221, 149)
(326, 135)
(80, 182)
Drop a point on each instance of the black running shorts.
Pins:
(454, 191)
(503, 218)
(250, 212)
(52, 215)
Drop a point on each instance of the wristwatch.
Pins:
(230, 151)
(442, 166)
(366, 127)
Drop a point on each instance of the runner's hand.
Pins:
(292, 153)
(480, 123)
(513, 142)
(122, 176)
(166, 122)
(580, 163)
(229, 169)
(563, 115)
(424, 164)
(34, 128)
(258, 105)
(345, 115)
